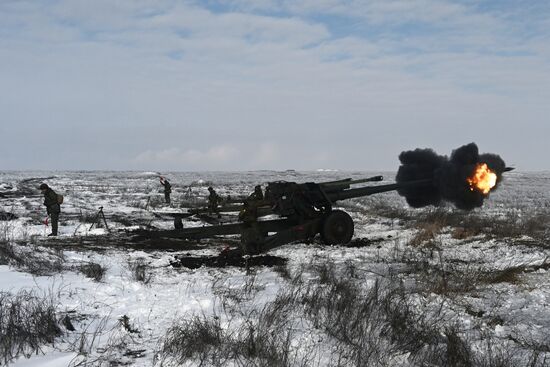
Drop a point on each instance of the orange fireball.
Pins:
(483, 179)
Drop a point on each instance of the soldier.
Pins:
(189, 193)
(53, 208)
(257, 195)
(213, 202)
(252, 238)
(167, 189)
(249, 212)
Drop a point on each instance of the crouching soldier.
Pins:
(51, 201)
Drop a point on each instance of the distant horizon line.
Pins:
(176, 171)
(320, 170)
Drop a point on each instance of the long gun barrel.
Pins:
(370, 190)
(327, 186)
(346, 183)
(350, 181)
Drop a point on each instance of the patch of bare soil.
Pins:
(364, 242)
(226, 258)
(134, 240)
(5, 216)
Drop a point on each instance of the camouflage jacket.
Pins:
(167, 186)
(50, 201)
(213, 199)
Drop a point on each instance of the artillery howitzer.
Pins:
(303, 209)
(234, 204)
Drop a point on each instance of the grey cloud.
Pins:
(293, 96)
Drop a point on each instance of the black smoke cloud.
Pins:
(448, 176)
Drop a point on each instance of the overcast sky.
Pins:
(265, 84)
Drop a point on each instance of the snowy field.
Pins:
(419, 287)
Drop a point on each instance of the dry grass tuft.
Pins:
(140, 271)
(27, 321)
(93, 271)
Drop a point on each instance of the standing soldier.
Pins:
(252, 238)
(189, 193)
(51, 201)
(167, 189)
(213, 201)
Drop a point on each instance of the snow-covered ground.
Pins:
(486, 286)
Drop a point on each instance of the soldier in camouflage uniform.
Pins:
(167, 189)
(252, 238)
(213, 202)
(257, 195)
(52, 206)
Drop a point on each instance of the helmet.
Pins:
(210, 188)
(43, 186)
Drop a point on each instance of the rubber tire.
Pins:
(337, 228)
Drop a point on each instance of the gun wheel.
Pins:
(337, 228)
